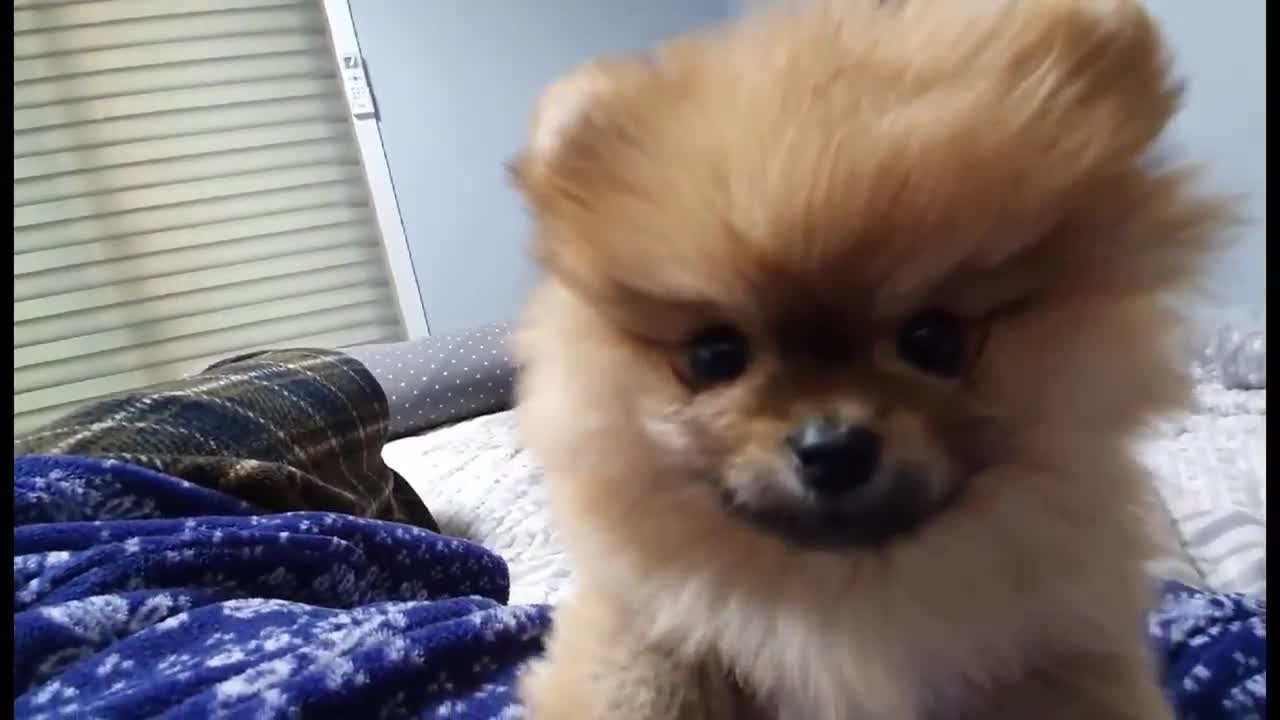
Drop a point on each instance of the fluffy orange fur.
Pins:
(825, 171)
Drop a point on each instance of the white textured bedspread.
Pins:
(480, 484)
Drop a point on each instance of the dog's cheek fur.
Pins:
(704, 586)
(1082, 374)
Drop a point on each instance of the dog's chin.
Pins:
(856, 523)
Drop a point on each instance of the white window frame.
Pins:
(386, 209)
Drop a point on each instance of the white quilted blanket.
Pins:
(1211, 473)
(480, 484)
(1211, 465)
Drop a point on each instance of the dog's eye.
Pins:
(717, 355)
(934, 342)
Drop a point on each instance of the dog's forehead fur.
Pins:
(822, 154)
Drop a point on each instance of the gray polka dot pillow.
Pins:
(442, 379)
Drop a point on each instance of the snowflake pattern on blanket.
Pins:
(140, 595)
(1214, 647)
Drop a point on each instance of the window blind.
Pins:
(186, 186)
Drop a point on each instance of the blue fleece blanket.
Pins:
(140, 595)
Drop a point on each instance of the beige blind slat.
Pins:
(284, 264)
(187, 215)
(222, 297)
(355, 336)
(165, 173)
(130, 153)
(259, 226)
(30, 16)
(56, 30)
(146, 116)
(76, 348)
(88, 137)
(136, 81)
(152, 269)
(96, 62)
(130, 200)
(60, 381)
(186, 188)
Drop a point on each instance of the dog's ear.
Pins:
(1096, 69)
(1105, 76)
(575, 124)
(585, 129)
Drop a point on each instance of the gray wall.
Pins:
(454, 83)
(1221, 51)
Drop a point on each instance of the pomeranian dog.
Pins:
(851, 314)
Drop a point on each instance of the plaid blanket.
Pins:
(284, 430)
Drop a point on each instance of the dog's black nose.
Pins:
(835, 457)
